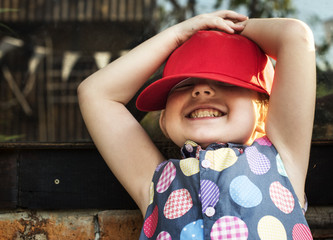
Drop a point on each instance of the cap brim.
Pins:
(154, 97)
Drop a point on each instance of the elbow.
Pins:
(300, 33)
(80, 88)
(82, 91)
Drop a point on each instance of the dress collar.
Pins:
(192, 149)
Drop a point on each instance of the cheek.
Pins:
(252, 116)
(172, 126)
(174, 135)
(246, 116)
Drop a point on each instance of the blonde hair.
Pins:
(261, 106)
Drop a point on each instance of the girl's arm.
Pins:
(291, 107)
(124, 145)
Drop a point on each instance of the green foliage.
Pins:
(3, 26)
(4, 138)
(2, 10)
(173, 11)
(323, 90)
(324, 83)
(261, 8)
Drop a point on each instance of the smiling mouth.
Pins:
(205, 113)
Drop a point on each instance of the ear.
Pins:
(162, 124)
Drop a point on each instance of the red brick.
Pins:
(47, 225)
(120, 224)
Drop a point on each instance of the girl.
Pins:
(232, 183)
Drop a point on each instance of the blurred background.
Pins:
(47, 47)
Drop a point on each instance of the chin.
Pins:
(206, 142)
(243, 141)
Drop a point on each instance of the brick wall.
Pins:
(109, 224)
(70, 225)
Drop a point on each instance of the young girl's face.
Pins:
(207, 111)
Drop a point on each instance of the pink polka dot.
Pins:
(163, 236)
(150, 224)
(281, 197)
(229, 227)
(301, 232)
(166, 178)
(264, 141)
(178, 204)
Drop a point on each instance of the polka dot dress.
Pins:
(226, 191)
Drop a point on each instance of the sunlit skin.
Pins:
(207, 111)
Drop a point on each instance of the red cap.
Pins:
(213, 55)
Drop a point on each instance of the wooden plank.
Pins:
(38, 7)
(49, 97)
(6, 6)
(78, 10)
(97, 7)
(139, 9)
(15, 5)
(65, 11)
(36, 146)
(8, 179)
(319, 182)
(104, 11)
(56, 11)
(130, 10)
(41, 106)
(322, 234)
(113, 10)
(89, 10)
(67, 179)
(320, 220)
(74, 175)
(122, 10)
(320, 217)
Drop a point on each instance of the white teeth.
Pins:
(201, 113)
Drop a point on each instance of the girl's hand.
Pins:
(224, 20)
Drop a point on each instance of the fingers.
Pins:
(227, 21)
(231, 15)
(224, 25)
(224, 20)
(236, 26)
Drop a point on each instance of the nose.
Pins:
(203, 89)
